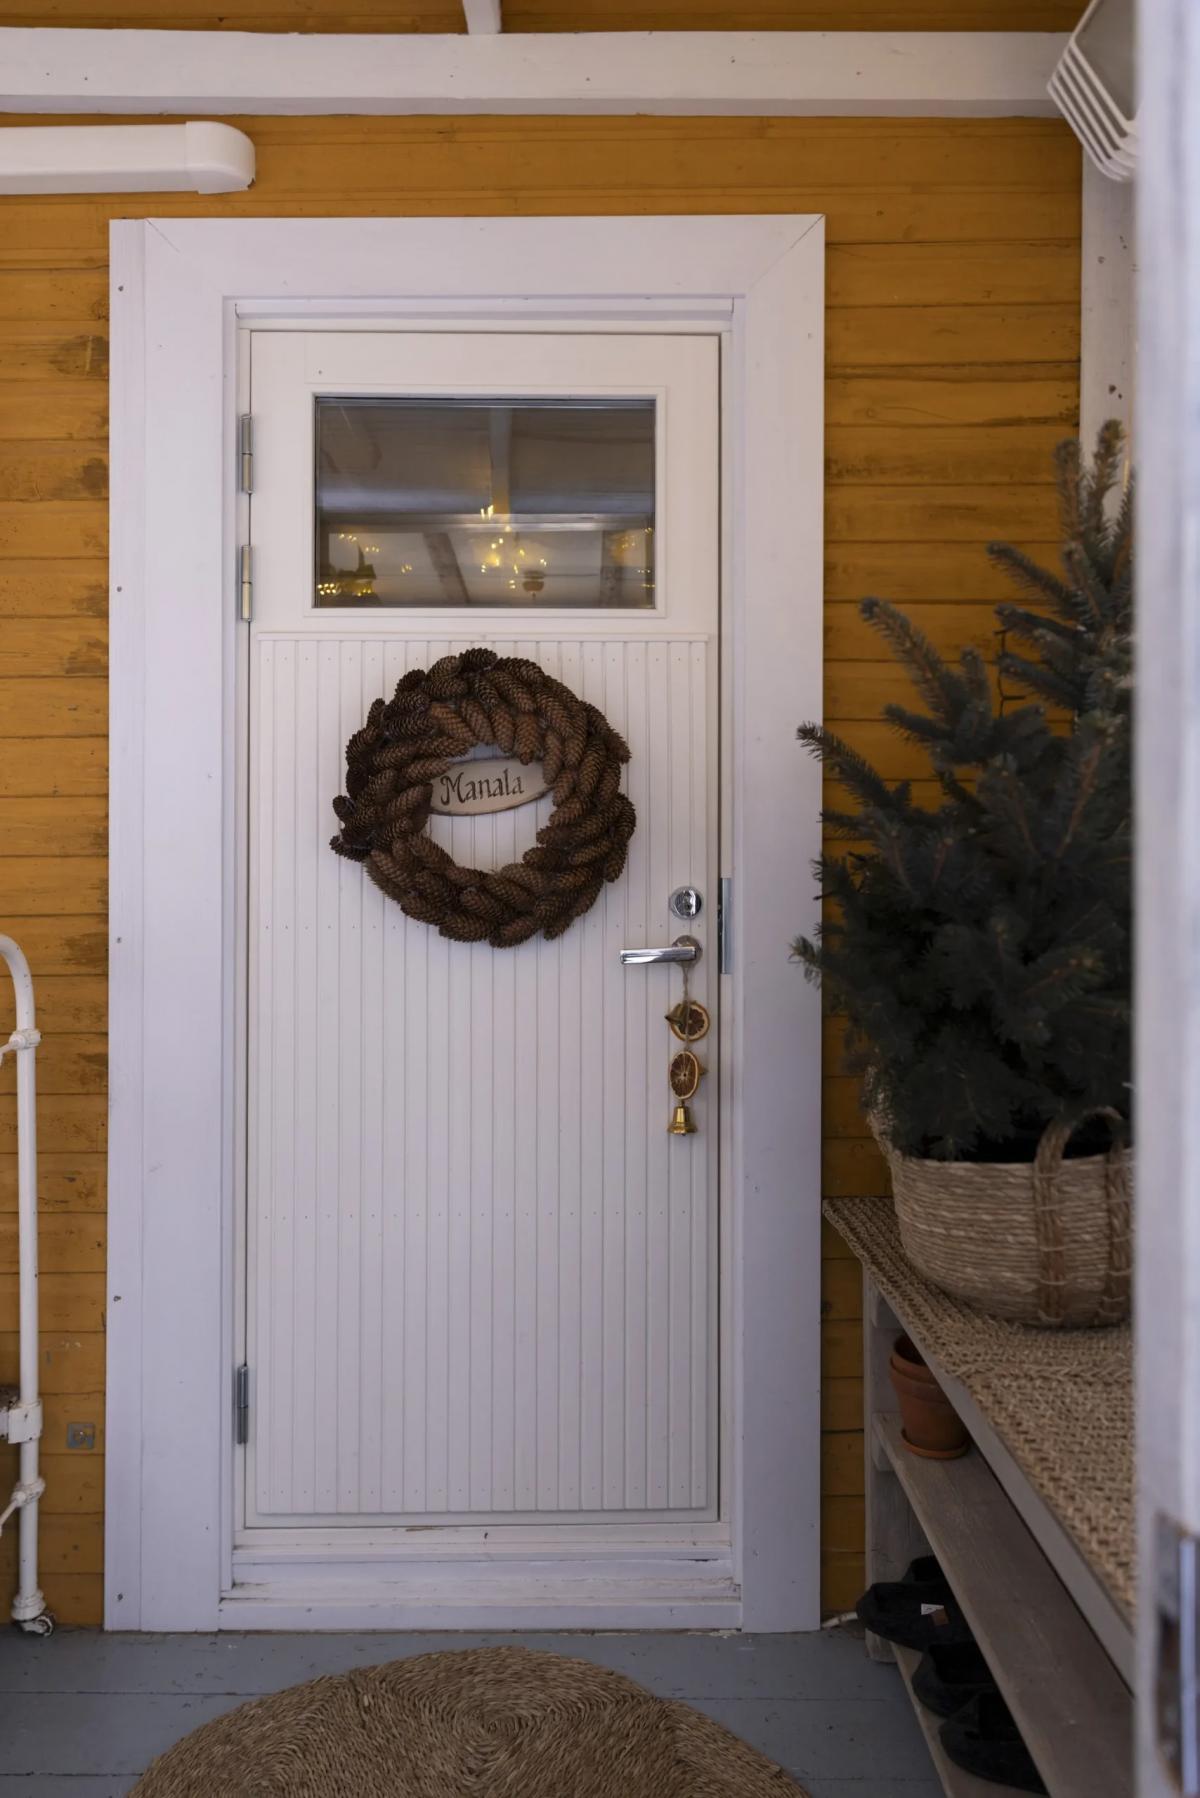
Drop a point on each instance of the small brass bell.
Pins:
(682, 1123)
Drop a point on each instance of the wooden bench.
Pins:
(1057, 1639)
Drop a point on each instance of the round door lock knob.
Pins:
(686, 902)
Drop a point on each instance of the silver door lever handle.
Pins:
(684, 948)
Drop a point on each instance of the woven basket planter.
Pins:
(1044, 1242)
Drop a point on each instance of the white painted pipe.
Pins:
(25, 1419)
(201, 157)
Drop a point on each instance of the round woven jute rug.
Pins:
(500, 1722)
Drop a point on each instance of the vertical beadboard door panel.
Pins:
(481, 1277)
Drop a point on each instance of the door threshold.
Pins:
(545, 1540)
(593, 1593)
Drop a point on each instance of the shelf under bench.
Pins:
(954, 1781)
(1071, 1703)
(1052, 1617)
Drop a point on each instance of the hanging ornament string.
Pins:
(689, 1022)
(435, 717)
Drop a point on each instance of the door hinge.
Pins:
(241, 1405)
(245, 576)
(725, 924)
(246, 453)
(1177, 1654)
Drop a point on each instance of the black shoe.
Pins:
(926, 1570)
(983, 1739)
(917, 1611)
(949, 1675)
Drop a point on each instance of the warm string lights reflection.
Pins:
(519, 567)
(354, 583)
(526, 572)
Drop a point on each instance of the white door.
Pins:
(480, 1276)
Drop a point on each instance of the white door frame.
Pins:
(1167, 898)
(180, 289)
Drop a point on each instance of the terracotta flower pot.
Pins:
(931, 1424)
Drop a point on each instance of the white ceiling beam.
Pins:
(980, 74)
(483, 16)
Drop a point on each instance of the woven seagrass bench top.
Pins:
(1061, 1401)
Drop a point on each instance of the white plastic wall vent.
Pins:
(1094, 86)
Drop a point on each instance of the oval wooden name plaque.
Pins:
(470, 788)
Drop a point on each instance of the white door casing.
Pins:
(472, 1246)
(180, 291)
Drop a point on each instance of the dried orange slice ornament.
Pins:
(685, 1074)
(689, 1021)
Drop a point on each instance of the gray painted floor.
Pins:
(81, 1715)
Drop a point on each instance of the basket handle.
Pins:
(1052, 1269)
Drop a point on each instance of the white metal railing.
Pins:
(21, 1421)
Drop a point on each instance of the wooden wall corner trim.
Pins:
(1108, 326)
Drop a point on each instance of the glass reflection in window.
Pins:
(485, 503)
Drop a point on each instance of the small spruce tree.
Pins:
(981, 950)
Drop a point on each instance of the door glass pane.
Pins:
(485, 503)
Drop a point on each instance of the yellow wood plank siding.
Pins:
(791, 15)
(953, 292)
(559, 15)
(241, 15)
